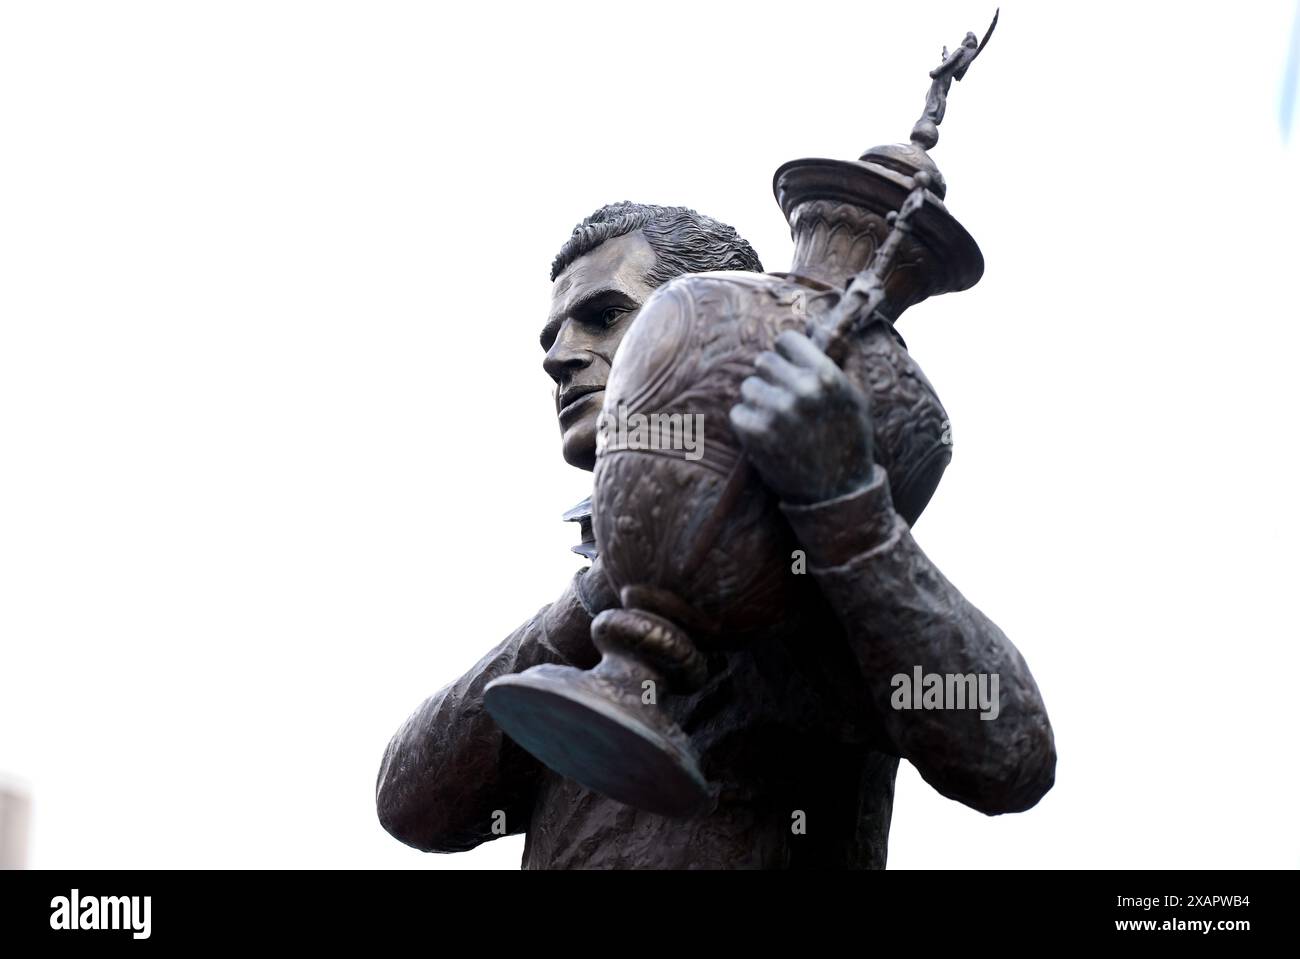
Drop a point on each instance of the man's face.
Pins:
(593, 304)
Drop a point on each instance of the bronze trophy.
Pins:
(698, 550)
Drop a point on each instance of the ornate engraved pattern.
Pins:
(703, 542)
(834, 240)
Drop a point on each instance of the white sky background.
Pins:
(278, 458)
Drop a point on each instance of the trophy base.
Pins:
(587, 728)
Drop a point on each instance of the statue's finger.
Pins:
(776, 369)
(748, 422)
(760, 393)
(801, 351)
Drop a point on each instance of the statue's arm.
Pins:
(449, 770)
(899, 612)
(807, 428)
(954, 64)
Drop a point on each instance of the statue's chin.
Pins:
(579, 443)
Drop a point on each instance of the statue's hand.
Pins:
(805, 425)
(594, 590)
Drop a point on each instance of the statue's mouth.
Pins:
(569, 400)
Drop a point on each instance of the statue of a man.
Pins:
(797, 733)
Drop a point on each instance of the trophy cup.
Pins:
(698, 551)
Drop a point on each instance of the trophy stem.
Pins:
(605, 727)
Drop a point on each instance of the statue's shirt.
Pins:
(789, 791)
(782, 735)
(794, 732)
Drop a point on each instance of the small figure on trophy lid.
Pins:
(954, 66)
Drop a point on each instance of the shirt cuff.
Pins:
(836, 531)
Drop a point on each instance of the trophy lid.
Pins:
(837, 209)
(869, 185)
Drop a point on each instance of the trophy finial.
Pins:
(911, 158)
(925, 134)
(884, 214)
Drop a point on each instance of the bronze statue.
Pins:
(749, 613)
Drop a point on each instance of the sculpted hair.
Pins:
(684, 241)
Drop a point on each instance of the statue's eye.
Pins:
(612, 315)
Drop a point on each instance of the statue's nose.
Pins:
(565, 358)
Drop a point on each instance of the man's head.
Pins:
(604, 272)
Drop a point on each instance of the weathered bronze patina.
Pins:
(750, 607)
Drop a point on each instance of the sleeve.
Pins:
(904, 619)
(450, 774)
